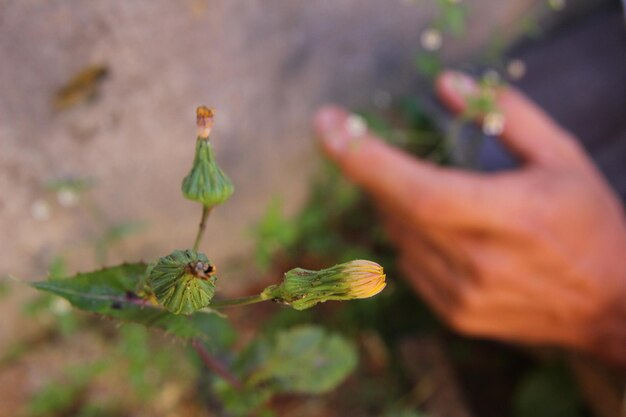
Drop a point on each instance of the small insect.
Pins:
(81, 87)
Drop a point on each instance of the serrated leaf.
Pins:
(112, 293)
(305, 359)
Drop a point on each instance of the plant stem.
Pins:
(206, 210)
(241, 301)
(212, 363)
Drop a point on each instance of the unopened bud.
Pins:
(206, 183)
(302, 288)
(204, 121)
(183, 282)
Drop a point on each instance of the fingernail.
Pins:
(460, 83)
(338, 131)
(328, 119)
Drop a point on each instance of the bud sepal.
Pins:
(183, 282)
(206, 183)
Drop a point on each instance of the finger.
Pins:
(528, 131)
(417, 189)
(499, 265)
(502, 315)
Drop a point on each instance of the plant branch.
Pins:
(235, 302)
(213, 364)
(206, 210)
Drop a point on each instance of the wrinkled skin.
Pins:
(535, 255)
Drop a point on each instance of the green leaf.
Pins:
(305, 359)
(113, 292)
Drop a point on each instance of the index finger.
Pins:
(418, 190)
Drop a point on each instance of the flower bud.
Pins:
(183, 282)
(302, 289)
(204, 121)
(206, 183)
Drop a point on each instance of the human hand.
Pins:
(535, 255)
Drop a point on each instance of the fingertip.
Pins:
(328, 117)
(338, 130)
(329, 124)
(454, 87)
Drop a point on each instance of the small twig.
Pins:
(206, 210)
(215, 365)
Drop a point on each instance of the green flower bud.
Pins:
(302, 289)
(206, 183)
(183, 282)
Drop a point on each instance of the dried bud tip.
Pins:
(204, 121)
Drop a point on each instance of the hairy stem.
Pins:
(241, 301)
(213, 364)
(206, 210)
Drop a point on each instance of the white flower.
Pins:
(40, 210)
(67, 198)
(516, 68)
(356, 126)
(493, 124)
(431, 39)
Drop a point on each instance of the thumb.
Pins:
(528, 131)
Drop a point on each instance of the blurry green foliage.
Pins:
(274, 232)
(452, 17)
(57, 268)
(548, 391)
(114, 234)
(404, 413)
(63, 398)
(75, 184)
(530, 27)
(48, 305)
(5, 289)
(428, 64)
(146, 363)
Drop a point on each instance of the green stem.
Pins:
(206, 210)
(242, 301)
